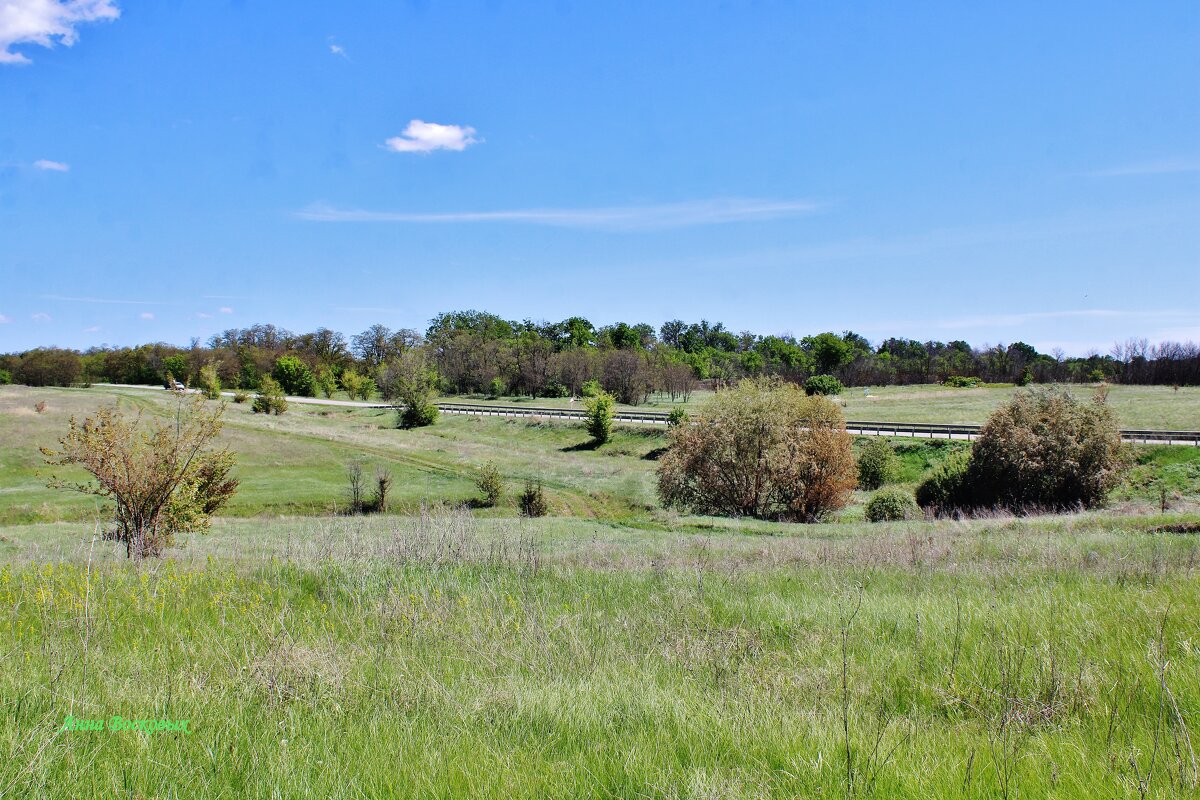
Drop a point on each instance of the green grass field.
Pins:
(613, 649)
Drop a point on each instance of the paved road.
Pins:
(912, 430)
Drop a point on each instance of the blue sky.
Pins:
(939, 171)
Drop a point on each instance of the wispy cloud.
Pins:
(425, 137)
(146, 315)
(203, 315)
(4, 320)
(1168, 166)
(624, 218)
(92, 329)
(338, 50)
(225, 310)
(51, 166)
(46, 22)
(103, 300)
(40, 316)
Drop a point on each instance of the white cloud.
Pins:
(337, 50)
(92, 329)
(146, 315)
(4, 320)
(225, 310)
(42, 22)
(625, 218)
(203, 315)
(425, 137)
(53, 166)
(40, 316)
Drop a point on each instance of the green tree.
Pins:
(877, 464)
(270, 398)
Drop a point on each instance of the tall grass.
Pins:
(447, 656)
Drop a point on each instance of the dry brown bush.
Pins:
(762, 449)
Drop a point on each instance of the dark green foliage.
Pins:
(176, 366)
(678, 416)
(416, 416)
(877, 464)
(961, 382)
(490, 485)
(270, 399)
(891, 505)
(556, 389)
(5, 377)
(823, 384)
(946, 489)
(532, 501)
(48, 366)
(599, 417)
(295, 377)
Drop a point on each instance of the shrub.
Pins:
(891, 505)
(48, 366)
(383, 484)
(241, 396)
(556, 389)
(366, 388)
(270, 399)
(1047, 449)
(532, 501)
(160, 476)
(961, 382)
(295, 377)
(945, 489)
(590, 388)
(326, 382)
(489, 483)
(599, 417)
(823, 384)
(877, 464)
(5, 377)
(760, 449)
(412, 382)
(1096, 376)
(677, 417)
(208, 382)
(352, 383)
(497, 388)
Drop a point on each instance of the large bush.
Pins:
(761, 449)
(49, 366)
(891, 505)
(1043, 450)
(295, 377)
(877, 464)
(823, 384)
(1046, 449)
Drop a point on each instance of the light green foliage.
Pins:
(208, 382)
(891, 505)
(490, 484)
(270, 398)
(599, 417)
(877, 464)
(295, 377)
(677, 416)
(590, 388)
(326, 382)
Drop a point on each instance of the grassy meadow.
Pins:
(612, 649)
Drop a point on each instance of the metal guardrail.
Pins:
(910, 429)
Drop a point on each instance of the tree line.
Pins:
(475, 352)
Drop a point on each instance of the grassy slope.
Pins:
(450, 656)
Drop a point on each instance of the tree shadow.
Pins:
(590, 444)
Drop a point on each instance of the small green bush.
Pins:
(270, 399)
(961, 382)
(326, 382)
(877, 464)
(5, 377)
(556, 389)
(590, 388)
(241, 396)
(823, 384)
(416, 416)
(489, 483)
(533, 500)
(208, 382)
(678, 416)
(599, 417)
(497, 388)
(891, 505)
